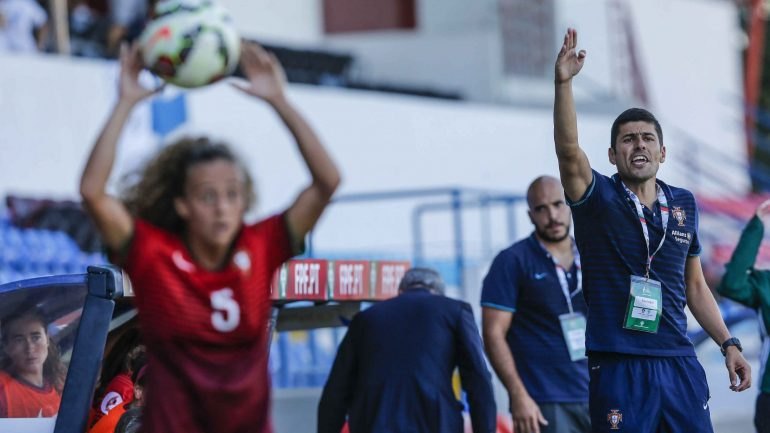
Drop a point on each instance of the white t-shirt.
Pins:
(18, 21)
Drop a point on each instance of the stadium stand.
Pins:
(31, 252)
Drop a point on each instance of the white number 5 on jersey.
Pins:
(227, 312)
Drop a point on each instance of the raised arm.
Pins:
(110, 215)
(705, 310)
(741, 281)
(266, 81)
(574, 167)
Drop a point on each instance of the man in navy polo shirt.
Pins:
(533, 319)
(638, 241)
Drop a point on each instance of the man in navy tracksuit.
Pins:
(393, 371)
(533, 320)
(638, 242)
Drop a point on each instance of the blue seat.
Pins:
(304, 358)
(26, 253)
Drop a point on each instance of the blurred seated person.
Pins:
(120, 389)
(23, 26)
(88, 25)
(31, 372)
(131, 420)
(127, 20)
(130, 410)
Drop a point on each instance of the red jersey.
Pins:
(119, 390)
(108, 422)
(205, 331)
(22, 400)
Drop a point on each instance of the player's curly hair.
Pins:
(54, 370)
(163, 178)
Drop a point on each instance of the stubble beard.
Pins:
(553, 239)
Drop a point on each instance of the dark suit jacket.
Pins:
(393, 371)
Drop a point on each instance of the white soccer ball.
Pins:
(190, 43)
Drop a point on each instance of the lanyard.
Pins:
(561, 273)
(643, 221)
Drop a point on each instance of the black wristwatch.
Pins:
(731, 342)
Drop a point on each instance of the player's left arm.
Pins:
(266, 81)
(704, 308)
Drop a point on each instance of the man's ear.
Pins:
(611, 155)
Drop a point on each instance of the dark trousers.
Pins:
(762, 413)
(647, 394)
(566, 418)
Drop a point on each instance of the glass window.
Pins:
(39, 319)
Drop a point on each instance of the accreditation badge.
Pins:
(573, 326)
(645, 305)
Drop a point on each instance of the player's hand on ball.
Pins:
(264, 75)
(129, 88)
(569, 61)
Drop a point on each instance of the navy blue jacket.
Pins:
(393, 371)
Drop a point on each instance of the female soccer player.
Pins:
(201, 276)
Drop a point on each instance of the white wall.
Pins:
(465, 62)
(455, 16)
(293, 21)
(381, 142)
(50, 115)
(696, 81)
(455, 47)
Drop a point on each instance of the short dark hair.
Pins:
(634, 115)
